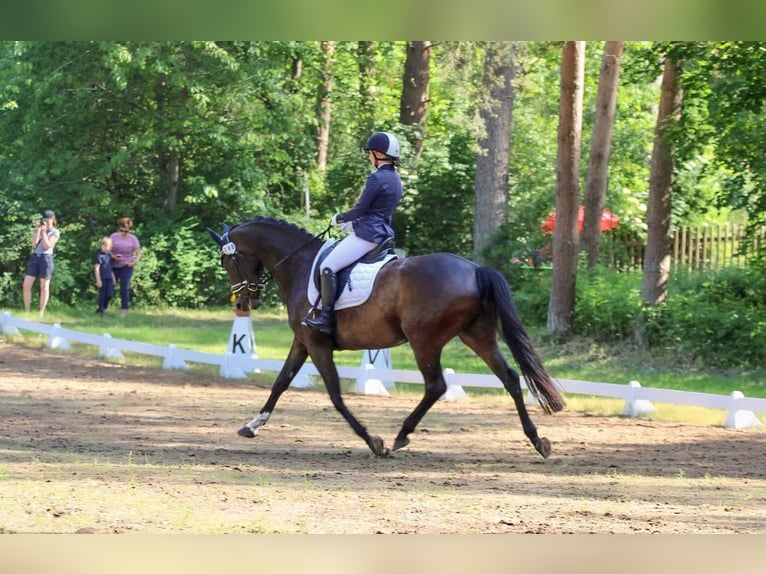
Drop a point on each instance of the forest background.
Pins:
(496, 136)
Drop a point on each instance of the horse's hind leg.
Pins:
(512, 384)
(491, 355)
(295, 359)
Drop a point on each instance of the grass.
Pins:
(209, 330)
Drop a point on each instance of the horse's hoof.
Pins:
(378, 448)
(246, 432)
(543, 446)
(401, 443)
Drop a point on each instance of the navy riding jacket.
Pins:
(372, 214)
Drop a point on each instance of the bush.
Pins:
(716, 318)
(607, 305)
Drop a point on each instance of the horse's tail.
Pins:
(494, 289)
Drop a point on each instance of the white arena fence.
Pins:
(375, 374)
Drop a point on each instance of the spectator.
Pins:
(40, 265)
(126, 252)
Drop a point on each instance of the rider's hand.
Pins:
(334, 220)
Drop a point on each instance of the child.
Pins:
(104, 275)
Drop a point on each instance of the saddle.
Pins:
(358, 276)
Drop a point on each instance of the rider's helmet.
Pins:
(385, 143)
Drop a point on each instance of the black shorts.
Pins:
(40, 266)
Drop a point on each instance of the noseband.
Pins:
(253, 288)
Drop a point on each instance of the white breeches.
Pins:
(346, 252)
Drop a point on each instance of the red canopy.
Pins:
(608, 220)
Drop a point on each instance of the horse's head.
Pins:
(243, 266)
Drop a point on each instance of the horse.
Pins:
(423, 300)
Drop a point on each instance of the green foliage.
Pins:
(607, 304)
(177, 269)
(15, 246)
(344, 182)
(531, 292)
(711, 319)
(715, 318)
(436, 213)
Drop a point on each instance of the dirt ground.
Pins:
(96, 446)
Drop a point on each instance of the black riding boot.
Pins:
(325, 322)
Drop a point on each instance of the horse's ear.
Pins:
(217, 238)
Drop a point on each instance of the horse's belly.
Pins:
(357, 329)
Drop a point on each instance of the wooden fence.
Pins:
(693, 248)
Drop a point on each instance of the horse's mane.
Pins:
(278, 222)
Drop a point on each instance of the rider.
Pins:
(370, 219)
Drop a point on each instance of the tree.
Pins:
(416, 87)
(654, 286)
(596, 181)
(366, 70)
(496, 112)
(565, 235)
(325, 104)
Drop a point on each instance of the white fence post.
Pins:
(739, 419)
(8, 328)
(56, 341)
(302, 380)
(172, 361)
(378, 358)
(368, 386)
(106, 351)
(229, 369)
(454, 392)
(636, 407)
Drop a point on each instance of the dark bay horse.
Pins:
(424, 300)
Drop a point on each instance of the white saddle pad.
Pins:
(359, 286)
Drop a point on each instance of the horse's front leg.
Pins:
(323, 361)
(295, 359)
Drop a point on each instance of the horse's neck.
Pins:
(289, 256)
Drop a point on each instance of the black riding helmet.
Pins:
(385, 143)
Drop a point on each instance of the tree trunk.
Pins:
(562, 299)
(168, 160)
(654, 287)
(491, 195)
(366, 63)
(173, 171)
(415, 92)
(325, 104)
(596, 182)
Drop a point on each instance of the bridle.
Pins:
(253, 288)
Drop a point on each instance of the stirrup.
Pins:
(325, 322)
